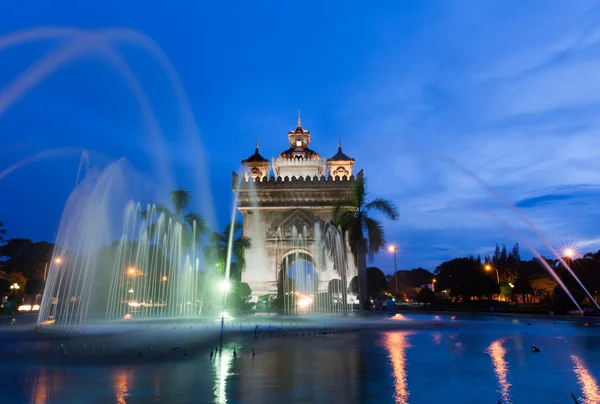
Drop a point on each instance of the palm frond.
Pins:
(240, 245)
(237, 227)
(384, 206)
(201, 224)
(243, 242)
(216, 238)
(375, 236)
(159, 208)
(359, 192)
(180, 199)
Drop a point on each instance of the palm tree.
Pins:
(216, 251)
(2, 231)
(366, 234)
(180, 200)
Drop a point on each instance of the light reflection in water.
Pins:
(398, 317)
(437, 338)
(222, 364)
(122, 378)
(396, 343)
(498, 353)
(589, 385)
(45, 384)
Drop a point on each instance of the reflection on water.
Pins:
(122, 378)
(222, 364)
(396, 343)
(587, 382)
(498, 353)
(399, 317)
(437, 337)
(45, 383)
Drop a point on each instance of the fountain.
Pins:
(141, 262)
(305, 291)
(151, 270)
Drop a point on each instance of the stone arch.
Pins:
(301, 254)
(288, 283)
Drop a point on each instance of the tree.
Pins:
(25, 256)
(2, 232)
(376, 282)
(239, 296)
(366, 234)
(216, 251)
(463, 277)
(543, 286)
(353, 287)
(335, 286)
(522, 288)
(191, 223)
(425, 296)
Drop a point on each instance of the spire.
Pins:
(299, 124)
(339, 143)
(256, 143)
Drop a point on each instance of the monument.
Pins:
(286, 205)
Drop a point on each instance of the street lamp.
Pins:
(57, 261)
(15, 286)
(394, 250)
(488, 268)
(569, 253)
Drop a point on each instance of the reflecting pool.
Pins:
(462, 361)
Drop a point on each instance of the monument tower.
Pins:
(296, 192)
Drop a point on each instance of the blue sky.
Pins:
(508, 89)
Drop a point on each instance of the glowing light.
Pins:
(226, 316)
(15, 286)
(569, 253)
(396, 343)
(511, 285)
(304, 301)
(225, 286)
(48, 322)
(487, 267)
(164, 278)
(58, 260)
(589, 385)
(131, 271)
(36, 307)
(133, 304)
(127, 316)
(392, 248)
(398, 317)
(498, 354)
(24, 307)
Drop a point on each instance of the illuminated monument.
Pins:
(286, 204)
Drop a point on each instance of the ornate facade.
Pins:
(293, 193)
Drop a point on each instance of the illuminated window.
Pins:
(298, 142)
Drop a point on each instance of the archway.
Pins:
(297, 282)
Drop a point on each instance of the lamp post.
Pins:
(57, 261)
(15, 286)
(488, 267)
(394, 250)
